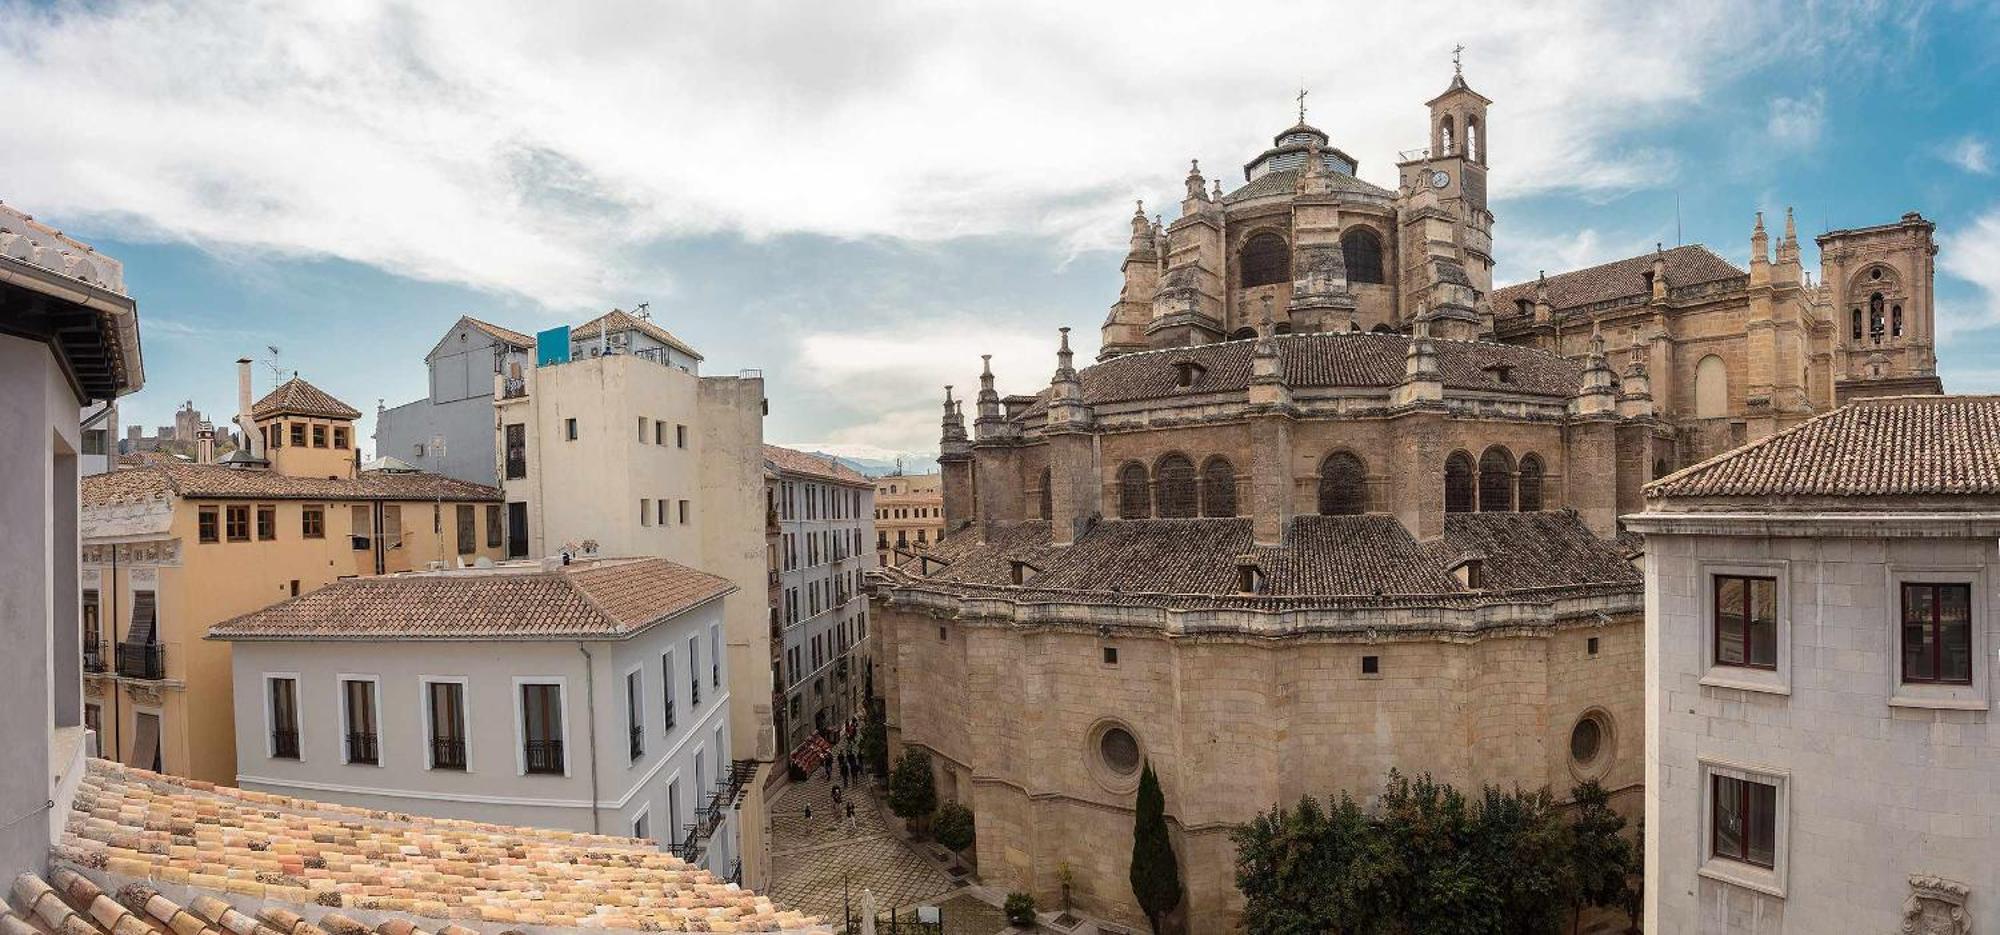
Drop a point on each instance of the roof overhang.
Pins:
(93, 331)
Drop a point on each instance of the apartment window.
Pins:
(319, 436)
(208, 524)
(1937, 633)
(642, 430)
(493, 529)
(660, 509)
(340, 438)
(680, 436)
(358, 709)
(299, 434)
(238, 524)
(446, 700)
(667, 688)
(517, 450)
(569, 429)
(673, 805)
(659, 433)
(684, 512)
(1744, 821)
(284, 717)
(93, 721)
(635, 718)
(694, 671)
(267, 523)
(93, 649)
(312, 521)
(541, 728)
(363, 525)
(468, 529)
(1746, 621)
(715, 656)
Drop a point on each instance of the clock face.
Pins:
(1440, 179)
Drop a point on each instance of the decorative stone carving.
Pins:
(143, 694)
(1936, 906)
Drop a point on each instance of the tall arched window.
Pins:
(1711, 388)
(1875, 316)
(1531, 483)
(1218, 487)
(1895, 321)
(1458, 483)
(1496, 480)
(1361, 250)
(1472, 142)
(1343, 485)
(1857, 324)
(1265, 260)
(1175, 476)
(1659, 468)
(1134, 502)
(1048, 495)
(1444, 136)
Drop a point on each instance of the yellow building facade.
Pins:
(171, 547)
(909, 513)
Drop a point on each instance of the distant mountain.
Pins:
(878, 467)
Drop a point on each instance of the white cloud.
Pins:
(1795, 122)
(1530, 253)
(535, 148)
(1973, 255)
(1969, 153)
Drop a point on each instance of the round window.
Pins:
(1586, 740)
(1875, 273)
(1120, 751)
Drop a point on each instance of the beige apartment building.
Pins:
(909, 513)
(622, 447)
(173, 547)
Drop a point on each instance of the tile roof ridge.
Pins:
(568, 578)
(1687, 473)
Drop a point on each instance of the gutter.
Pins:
(590, 709)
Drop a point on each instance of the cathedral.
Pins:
(1329, 503)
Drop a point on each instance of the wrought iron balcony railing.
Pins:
(543, 756)
(142, 661)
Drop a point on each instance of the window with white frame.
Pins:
(1745, 824)
(360, 699)
(282, 713)
(667, 689)
(635, 717)
(642, 826)
(541, 728)
(444, 704)
(1745, 616)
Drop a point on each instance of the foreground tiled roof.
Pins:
(253, 863)
(619, 320)
(792, 461)
(1686, 266)
(155, 477)
(1370, 556)
(599, 599)
(1891, 446)
(298, 398)
(1325, 359)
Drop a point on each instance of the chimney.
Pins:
(252, 442)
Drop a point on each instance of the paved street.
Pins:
(811, 859)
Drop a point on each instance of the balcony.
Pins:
(97, 657)
(513, 388)
(708, 817)
(285, 744)
(447, 753)
(638, 742)
(146, 661)
(544, 757)
(362, 748)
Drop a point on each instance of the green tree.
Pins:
(1309, 870)
(911, 794)
(1156, 876)
(953, 826)
(874, 741)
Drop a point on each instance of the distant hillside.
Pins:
(877, 467)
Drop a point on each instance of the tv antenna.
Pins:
(277, 371)
(643, 311)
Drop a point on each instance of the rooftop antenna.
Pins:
(643, 311)
(1677, 218)
(277, 372)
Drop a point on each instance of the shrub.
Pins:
(953, 826)
(911, 795)
(1020, 909)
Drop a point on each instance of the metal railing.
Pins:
(543, 756)
(96, 658)
(638, 732)
(285, 744)
(142, 661)
(513, 387)
(362, 748)
(447, 753)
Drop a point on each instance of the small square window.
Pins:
(1590, 646)
(680, 436)
(206, 522)
(1937, 633)
(1746, 621)
(1110, 655)
(1371, 665)
(319, 436)
(941, 636)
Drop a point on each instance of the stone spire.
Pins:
(1066, 406)
(1197, 190)
(1635, 391)
(1422, 383)
(1659, 272)
(1599, 392)
(1142, 231)
(1544, 310)
(1788, 248)
(1760, 254)
(953, 438)
(1065, 358)
(988, 422)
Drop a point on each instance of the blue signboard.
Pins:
(552, 346)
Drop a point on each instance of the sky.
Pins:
(860, 199)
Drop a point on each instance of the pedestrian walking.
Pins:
(836, 795)
(828, 763)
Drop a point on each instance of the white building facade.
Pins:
(826, 535)
(1821, 636)
(502, 695)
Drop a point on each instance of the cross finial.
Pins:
(1457, 66)
(1302, 102)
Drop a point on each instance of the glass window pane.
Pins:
(1729, 621)
(1728, 819)
(1764, 643)
(1955, 631)
(1763, 823)
(1917, 652)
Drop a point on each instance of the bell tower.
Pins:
(1878, 282)
(1446, 250)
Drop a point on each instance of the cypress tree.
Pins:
(1156, 877)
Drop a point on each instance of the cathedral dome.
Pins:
(1290, 150)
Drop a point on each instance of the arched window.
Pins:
(1361, 250)
(1343, 485)
(1857, 324)
(1444, 136)
(1711, 388)
(1458, 483)
(1383, 328)
(1875, 316)
(1896, 321)
(1265, 260)
(1048, 495)
(1218, 487)
(1496, 481)
(1472, 139)
(1175, 474)
(1243, 334)
(1531, 483)
(1134, 502)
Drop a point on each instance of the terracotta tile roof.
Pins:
(1883, 447)
(1370, 557)
(297, 397)
(792, 461)
(250, 863)
(155, 477)
(1324, 359)
(1689, 265)
(1286, 181)
(600, 599)
(619, 320)
(505, 335)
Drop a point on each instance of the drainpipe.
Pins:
(117, 687)
(590, 716)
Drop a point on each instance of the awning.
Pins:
(146, 744)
